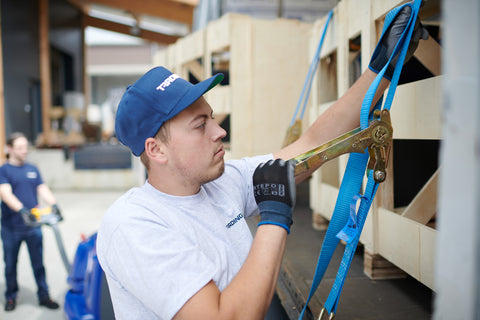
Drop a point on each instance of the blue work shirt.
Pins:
(24, 181)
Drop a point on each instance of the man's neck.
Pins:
(170, 184)
(16, 162)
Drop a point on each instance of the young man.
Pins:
(179, 247)
(20, 182)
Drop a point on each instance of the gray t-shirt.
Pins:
(158, 250)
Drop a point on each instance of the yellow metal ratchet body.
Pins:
(377, 138)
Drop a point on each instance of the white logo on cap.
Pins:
(167, 82)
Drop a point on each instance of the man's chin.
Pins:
(220, 170)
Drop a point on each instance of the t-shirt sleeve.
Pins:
(3, 176)
(158, 265)
(240, 172)
(39, 180)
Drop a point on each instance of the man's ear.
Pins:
(155, 150)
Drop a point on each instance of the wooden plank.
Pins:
(428, 240)
(325, 200)
(407, 244)
(196, 69)
(329, 42)
(358, 14)
(172, 57)
(424, 206)
(160, 58)
(219, 32)
(399, 241)
(377, 267)
(45, 73)
(171, 10)
(192, 47)
(279, 48)
(241, 79)
(416, 111)
(220, 99)
(127, 29)
(381, 7)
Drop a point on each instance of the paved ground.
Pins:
(83, 212)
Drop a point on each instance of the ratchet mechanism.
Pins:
(377, 138)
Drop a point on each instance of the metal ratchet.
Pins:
(377, 138)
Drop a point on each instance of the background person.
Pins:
(20, 182)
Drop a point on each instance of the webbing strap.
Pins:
(311, 72)
(341, 223)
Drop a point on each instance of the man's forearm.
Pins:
(252, 289)
(249, 294)
(9, 198)
(46, 195)
(341, 117)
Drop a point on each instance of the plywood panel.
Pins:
(399, 241)
(407, 244)
(416, 111)
(191, 47)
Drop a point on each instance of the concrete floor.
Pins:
(362, 298)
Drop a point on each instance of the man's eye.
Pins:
(202, 125)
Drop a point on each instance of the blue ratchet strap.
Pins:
(311, 72)
(345, 224)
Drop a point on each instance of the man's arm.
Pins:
(341, 117)
(344, 114)
(9, 198)
(249, 294)
(46, 194)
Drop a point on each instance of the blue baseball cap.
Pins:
(156, 97)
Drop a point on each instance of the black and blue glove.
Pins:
(275, 192)
(56, 210)
(389, 40)
(28, 216)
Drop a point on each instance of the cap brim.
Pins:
(195, 92)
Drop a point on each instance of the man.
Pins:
(20, 182)
(179, 247)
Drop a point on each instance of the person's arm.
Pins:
(9, 198)
(250, 293)
(341, 117)
(46, 194)
(344, 114)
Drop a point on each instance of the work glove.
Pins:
(275, 192)
(28, 216)
(56, 211)
(387, 43)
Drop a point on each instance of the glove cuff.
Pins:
(276, 213)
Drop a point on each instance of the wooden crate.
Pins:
(400, 235)
(266, 63)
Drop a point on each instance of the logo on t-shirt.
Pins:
(234, 220)
(31, 175)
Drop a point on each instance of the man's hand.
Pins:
(275, 192)
(387, 44)
(56, 210)
(28, 216)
